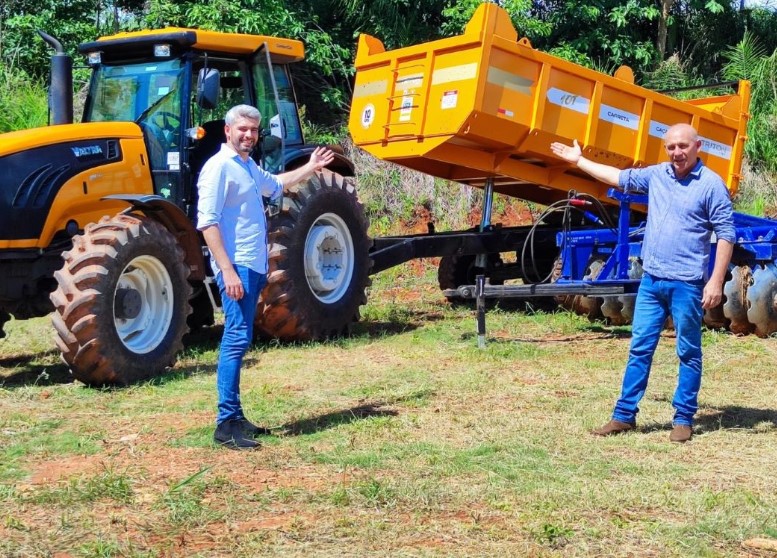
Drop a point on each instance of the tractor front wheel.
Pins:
(122, 301)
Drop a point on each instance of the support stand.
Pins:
(481, 261)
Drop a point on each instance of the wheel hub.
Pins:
(324, 262)
(329, 258)
(127, 304)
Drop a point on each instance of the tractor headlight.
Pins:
(162, 51)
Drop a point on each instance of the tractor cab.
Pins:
(177, 84)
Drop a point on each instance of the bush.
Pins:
(23, 100)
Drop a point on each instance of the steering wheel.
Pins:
(167, 128)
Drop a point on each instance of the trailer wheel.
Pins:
(318, 262)
(457, 270)
(122, 301)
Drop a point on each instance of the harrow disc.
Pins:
(761, 299)
(735, 307)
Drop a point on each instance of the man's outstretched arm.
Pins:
(573, 154)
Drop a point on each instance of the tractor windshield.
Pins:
(148, 93)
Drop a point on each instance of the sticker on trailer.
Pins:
(368, 115)
(450, 99)
(462, 72)
(715, 148)
(370, 88)
(619, 117)
(405, 109)
(658, 129)
(513, 82)
(565, 99)
(505, 112)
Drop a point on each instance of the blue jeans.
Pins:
(238, 334)
(656, 299)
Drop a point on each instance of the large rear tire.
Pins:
(122, 301)
(318, 262)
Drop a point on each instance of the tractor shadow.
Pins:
(402, 320)
(398, 320)
(336, 418)
(27, 370)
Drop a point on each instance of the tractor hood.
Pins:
(53, 172)
(14, 142)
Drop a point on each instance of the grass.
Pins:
(403, 440)
(23, 102)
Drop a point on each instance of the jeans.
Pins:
(238, 334)
(656, 299)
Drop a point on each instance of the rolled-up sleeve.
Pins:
(270, 185)
(635, 180)
(211, 194)
(721, 213)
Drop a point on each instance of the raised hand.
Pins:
(571, 154)
(321, 157)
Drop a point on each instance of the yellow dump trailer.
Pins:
(486, 104)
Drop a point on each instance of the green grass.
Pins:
(402, 440)
(23, 102)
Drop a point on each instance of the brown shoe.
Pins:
(681, 433)
(614, 427)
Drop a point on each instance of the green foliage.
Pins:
(748, 60)
(395, 22)
(23, 101)
(669, 74)
(603, 34)
(458, 14)
(615, 31)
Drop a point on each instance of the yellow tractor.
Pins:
(98, 216)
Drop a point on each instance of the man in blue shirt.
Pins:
(687, 202)
(230, 214)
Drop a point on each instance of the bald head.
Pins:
(682, 129)
(682, 144)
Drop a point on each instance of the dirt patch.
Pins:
(57, 470)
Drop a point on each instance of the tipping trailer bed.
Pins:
(485, 104)
(482, 109)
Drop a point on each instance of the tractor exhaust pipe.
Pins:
(61, 87)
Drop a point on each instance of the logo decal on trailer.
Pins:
(565, 99)
(368, 115)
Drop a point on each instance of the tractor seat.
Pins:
(209, 145)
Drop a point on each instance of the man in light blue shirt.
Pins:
(687, 202)
(230, 214)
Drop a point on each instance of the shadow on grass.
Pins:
(725, 418)
(583, 336)
(735, 417)
(336, 418)
(397, 322)
(20, 371)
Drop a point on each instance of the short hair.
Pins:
(242, 111)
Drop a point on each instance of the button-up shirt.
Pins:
(230, 196)
(682, 215)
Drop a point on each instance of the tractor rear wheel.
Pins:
(122, 301)
(318, 262)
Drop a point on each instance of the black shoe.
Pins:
(230, 434)
(251, 430)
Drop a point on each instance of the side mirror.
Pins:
(208, 88)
